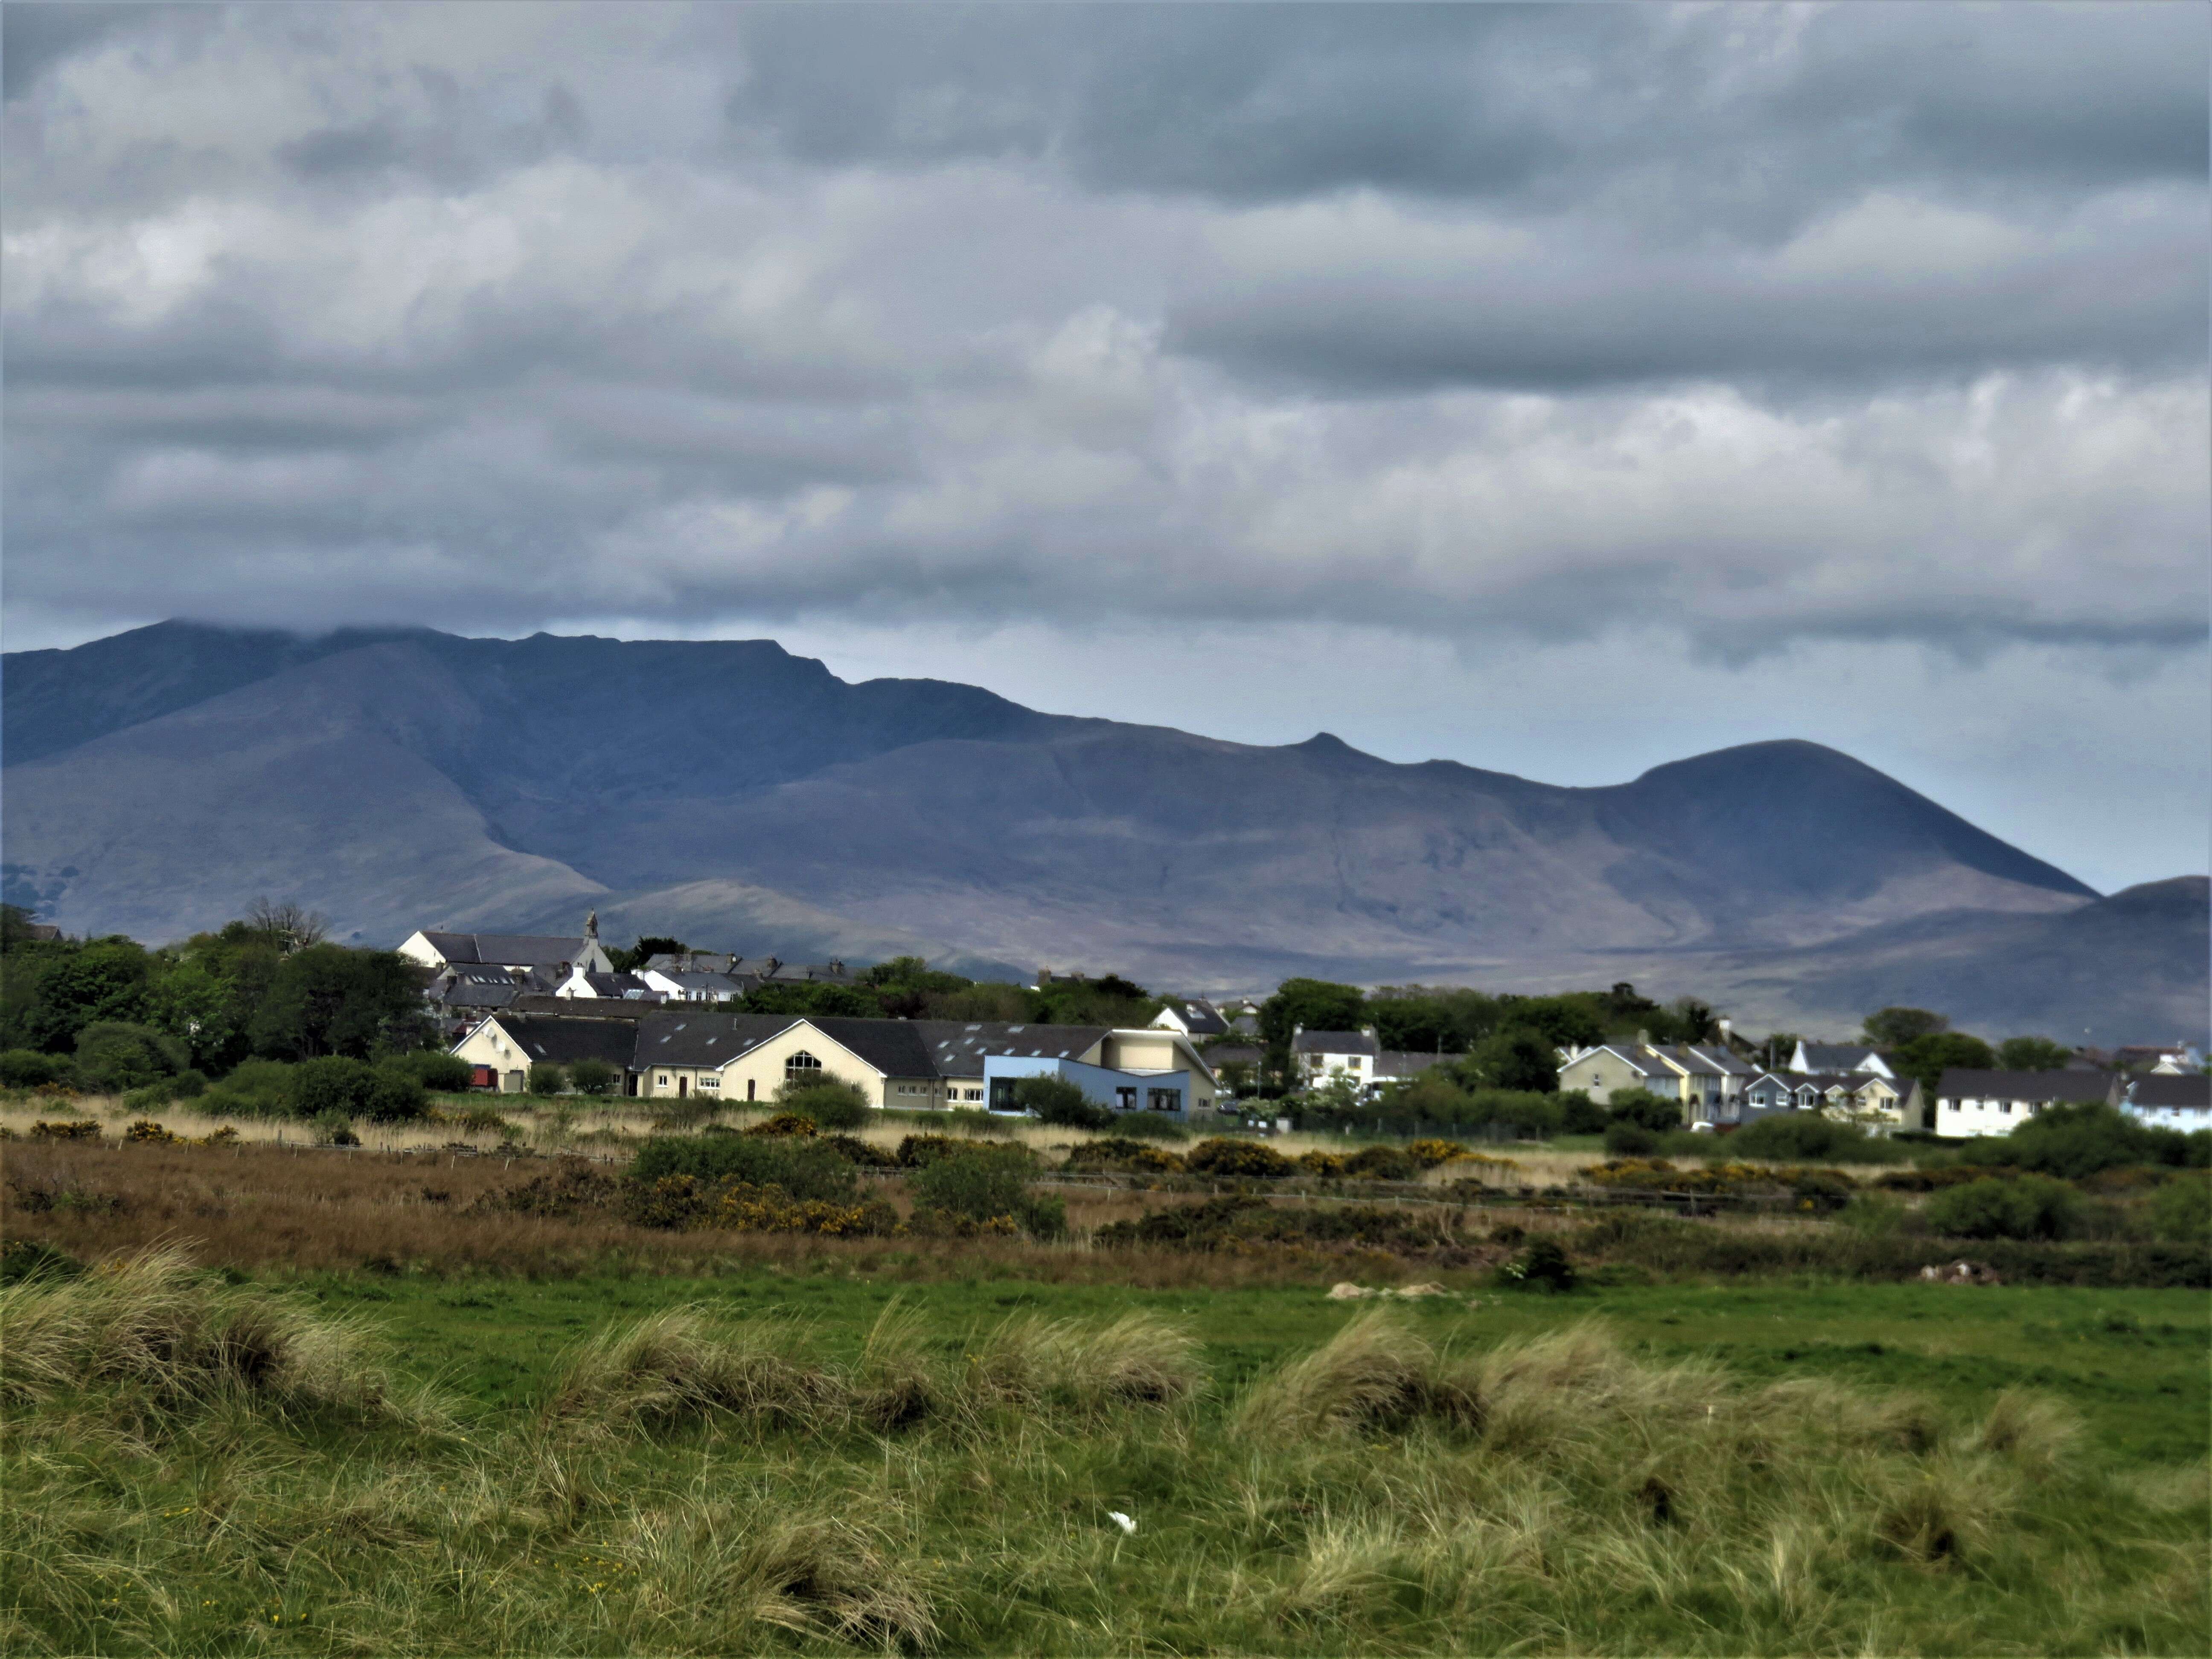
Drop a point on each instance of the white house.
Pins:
(620, 988)
(1977, 1103)
(2167, 1100)
(1192, 1016)
(1320, 1058)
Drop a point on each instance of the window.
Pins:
(710, 1083)
(1126, 1099)
(802, 1067)
(1164, 1100)
(663, 1080)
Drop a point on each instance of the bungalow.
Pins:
(2167, 1100)
(504, 1046)
(1978, 1102)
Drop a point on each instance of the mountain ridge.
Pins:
(400, 778)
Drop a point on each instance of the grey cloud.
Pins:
(34, 38)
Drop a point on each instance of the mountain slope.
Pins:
(158, 781)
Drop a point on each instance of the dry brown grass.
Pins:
(262, 1207)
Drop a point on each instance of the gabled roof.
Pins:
(1963, 1085)
(1199, 1016)
(527, 950)
(1333, 1043)
(1637, 1057)
(564, 1039)
(2166, 1088)
(958, 1047)
(673, 1035)
(620, 988)
(1837, 1056)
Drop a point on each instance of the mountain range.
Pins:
(742, 798)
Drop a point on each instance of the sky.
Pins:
(1562, 389)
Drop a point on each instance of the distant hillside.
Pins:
(730, 793)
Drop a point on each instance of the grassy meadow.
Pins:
(802, 1457)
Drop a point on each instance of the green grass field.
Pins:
(818, 1463)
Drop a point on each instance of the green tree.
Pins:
(594, 1077)
(1645, 1109)
(326, 1000)
(1517, 1057)
(113, 1055)
(1927, 1057)
(331, 1083)
(1316, 1005)
(199, 1008)
(643, 950)
(549, 1079)
(395, 1092)
(2032, 1054)
(1893, 1027)
(54, 994)
(2022, 1206)
(1575, 1019)
(814, 998)
(1055, 1100)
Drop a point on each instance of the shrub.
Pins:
(332, 1084)
(1055, 1100)
(2075, 1141)
(1580, 1115)
(783, 1123)
(24, 1259)
(828, 1104)
(146, 1131)
(2022, 1206)
(1152, 1126)
(984, 1185)
(26, 1068)
(1119, 1152)
(86, 1128)
(1624, 1138)
(549, 1079)
(1542, 1266)
(335, 1129)
(1645, 1109)
(804, 1168)
(594, 1077)
(1238, 1160)
(1328, 1165)
(447, 1074)
(1430, 1153)
(395, 1094)
(1801, 1135)
(2181, 1211)
(112, 1056)
(915, 1150)
(255, 1088)
(1383, 1163)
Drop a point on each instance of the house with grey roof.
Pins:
(2167, 1100)
(503, 1046)
(1320, 1058)
(1829, 1058)
(1193, 1016)
(549, 957)
(1976, 1102)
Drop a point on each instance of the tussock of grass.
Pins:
(150, 1320)
(1376, 1373)
(680, 1363)
(1137, 1358)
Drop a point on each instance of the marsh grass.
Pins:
(691, 1483)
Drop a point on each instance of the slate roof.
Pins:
(620, 988)
(545, 1002)
(714, 985)
(1837, 1056)
(1964, 1085)
(1202, 1017)
(1219, 1054)
(475, 987)
(1333, 1043)
(530, 950)
(2167, 1089)
(956, 1047)
(671, 1034)
(563, 1039)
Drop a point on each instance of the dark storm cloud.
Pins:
(1482, 322)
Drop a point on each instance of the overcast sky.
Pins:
(1563, 390)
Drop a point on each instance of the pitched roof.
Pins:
(1967, 1085)
(957, 1047)
(1219, 1054)
(1202, 1017)
(620, 988)
(1836, 1056)
(670, 1034)
(564, 1039)
(2167, 1089)
(545, 1002)
(531, 950)
(1333, 1043)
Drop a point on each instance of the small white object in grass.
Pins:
(1122, 1520)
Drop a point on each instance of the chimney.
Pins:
(1726, 1027)
(1643, 1039)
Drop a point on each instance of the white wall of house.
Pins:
(1974, 1115)
(489, 1045)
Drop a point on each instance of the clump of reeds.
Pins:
(1376, 1373)
(1139, 1359)
(151, 1322)
(680, 1363)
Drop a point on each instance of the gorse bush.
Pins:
(2021, 1206)
(985, 1186)
(828, 1104)
(1238, 1160)
(801, 1166)
(26, 1068)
